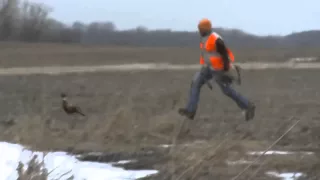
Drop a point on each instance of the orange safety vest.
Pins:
(209, 52)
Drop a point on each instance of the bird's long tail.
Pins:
(80, 112)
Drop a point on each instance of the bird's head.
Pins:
(63, 96)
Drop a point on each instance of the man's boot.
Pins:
(250, 112)
(186, 113)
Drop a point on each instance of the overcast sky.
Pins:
(277, 17)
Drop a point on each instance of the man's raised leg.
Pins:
(241, 101)
(199, 79)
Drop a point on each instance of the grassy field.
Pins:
(135, 111)
(26, 55)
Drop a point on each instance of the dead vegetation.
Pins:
(35, 170)
(41, 54)
(136, 111)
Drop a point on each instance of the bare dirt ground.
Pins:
(130, 113)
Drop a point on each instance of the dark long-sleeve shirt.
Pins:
(222, 50)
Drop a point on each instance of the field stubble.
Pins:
(132, 112)
(29, 55)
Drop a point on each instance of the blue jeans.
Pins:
(202, 77)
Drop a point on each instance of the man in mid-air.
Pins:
(215, 60)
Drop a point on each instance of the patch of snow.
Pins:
(60, 163)
(166, 145)
(285, 176)
(124, 162)
(186, 144)
(278, 153)
(303, 59)
(239, 162)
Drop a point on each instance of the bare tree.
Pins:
(79, 30)
(9, 12)
(28, 21)
(141, 29)
(34, 18)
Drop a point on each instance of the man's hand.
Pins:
(204, 69)
(225, 76)
(226, 67)
(238, 69)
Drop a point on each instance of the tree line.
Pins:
(30, 22)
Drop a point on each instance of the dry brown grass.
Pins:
(209, 160)
(26, 55)
(34, 171)
(130, 111)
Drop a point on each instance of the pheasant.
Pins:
(69, 108)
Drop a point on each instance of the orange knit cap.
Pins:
(204, 25)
